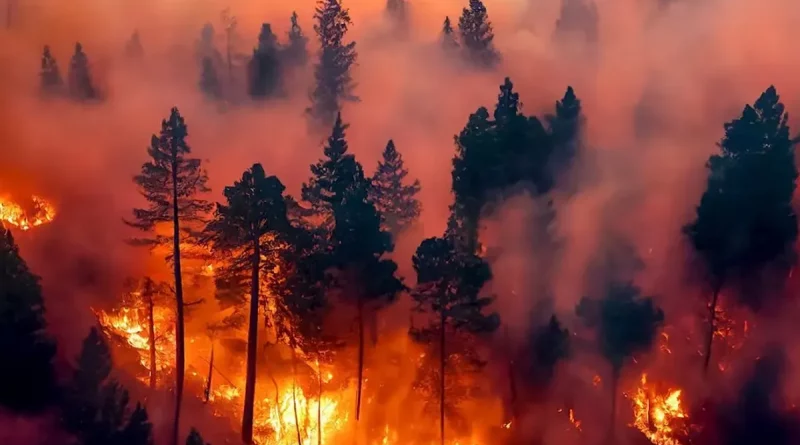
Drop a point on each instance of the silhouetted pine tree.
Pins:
(209, 79)
(27, 380)
(80, 77)
(625, 324)
(264, 71)
(395, 201)
(133, 49)
(477, 37)
(255, 210)
(50, 76)
(746, 224)
(295, 53)
(565, 128)
(171, 182)
(97, 408)
(397, 12)
(449, 282)
(449, 40)
(194, 438)
(333, 82)
(547, 345)
(577, 20)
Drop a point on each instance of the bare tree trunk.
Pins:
(360, 355)
(711, 328)
(179, 327)
(151, 332)
(252, 347)
(615, 372)
(294, 395)
(207, 392)
(319, 404)
(442, 359)
(512, 382)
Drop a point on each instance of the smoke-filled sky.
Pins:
(680, 71)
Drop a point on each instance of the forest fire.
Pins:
(36, 213)
(658, 415)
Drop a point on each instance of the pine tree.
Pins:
(27, 379)
(194, 438)
(477, 37)
(745, 222)
(50, 76)
(395, 201)
(209, 79)
(295, 53)
(449, 282)
(397, 12)
(449, 41)
(264, 67)
(547, 345)
(80, 77)
(133, 49)
(171, 182)
(255, 209)
(333, 81)
(625, 324)
(565, 126)
(577, 19)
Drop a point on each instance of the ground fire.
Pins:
(659, 415)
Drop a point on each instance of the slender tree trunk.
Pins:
(360, 355)
(512, 382)
(179, 328)
(252, 347)
(294, 395)
(207, 392)
(319, 404)
(151, 332)
(712, 327)
(442, 359)
(612, 426)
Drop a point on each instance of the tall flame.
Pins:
(657, 415)
(40, 212)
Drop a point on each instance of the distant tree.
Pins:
(477, 37)
(547, 345)
(448, 288)
(264, 69)
(171, 182)
(50, 76)
(133, 49)
(209, 79)
(295, 53)
(745, 223)
(332, 79)
(96, 407)
(80, 77)
(255, 209)
(577, 19)
(397, 12)
(206, 46)
(625, 324)
(395, 201)
(195, 438)
(145, 296)
(449, 40)
(27, 379)
(565, 126)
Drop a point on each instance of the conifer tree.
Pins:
(565, 128)
(449, 40)
(397, 12)
(449, 282)
(209, 79)
(50, 76)
(264, 67)
(27, 379)
(133, 49)
(625, 324)
(395, 201)
(80, 77)
(332, 79)
(745, 222)
(577, 19)
(477, 36)
(547, 345)
(254, 210)
(295, 53)
(194, 438)
(171, 182)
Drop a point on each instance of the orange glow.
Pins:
(39, 212)
(656, 414)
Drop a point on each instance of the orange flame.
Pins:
(656, 415)
(41, 212)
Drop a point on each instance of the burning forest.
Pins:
(323, 222)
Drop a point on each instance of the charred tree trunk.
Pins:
(615, 373)
(294, 395)
(712, 327)
(207, 392)
(151, 340)
(360, 355)
(179, 328)
(512, 382)
(442, 360)
(252, 347)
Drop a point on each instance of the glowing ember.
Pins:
(38, 213)
(657, 415)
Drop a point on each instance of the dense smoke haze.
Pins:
(656, 86)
